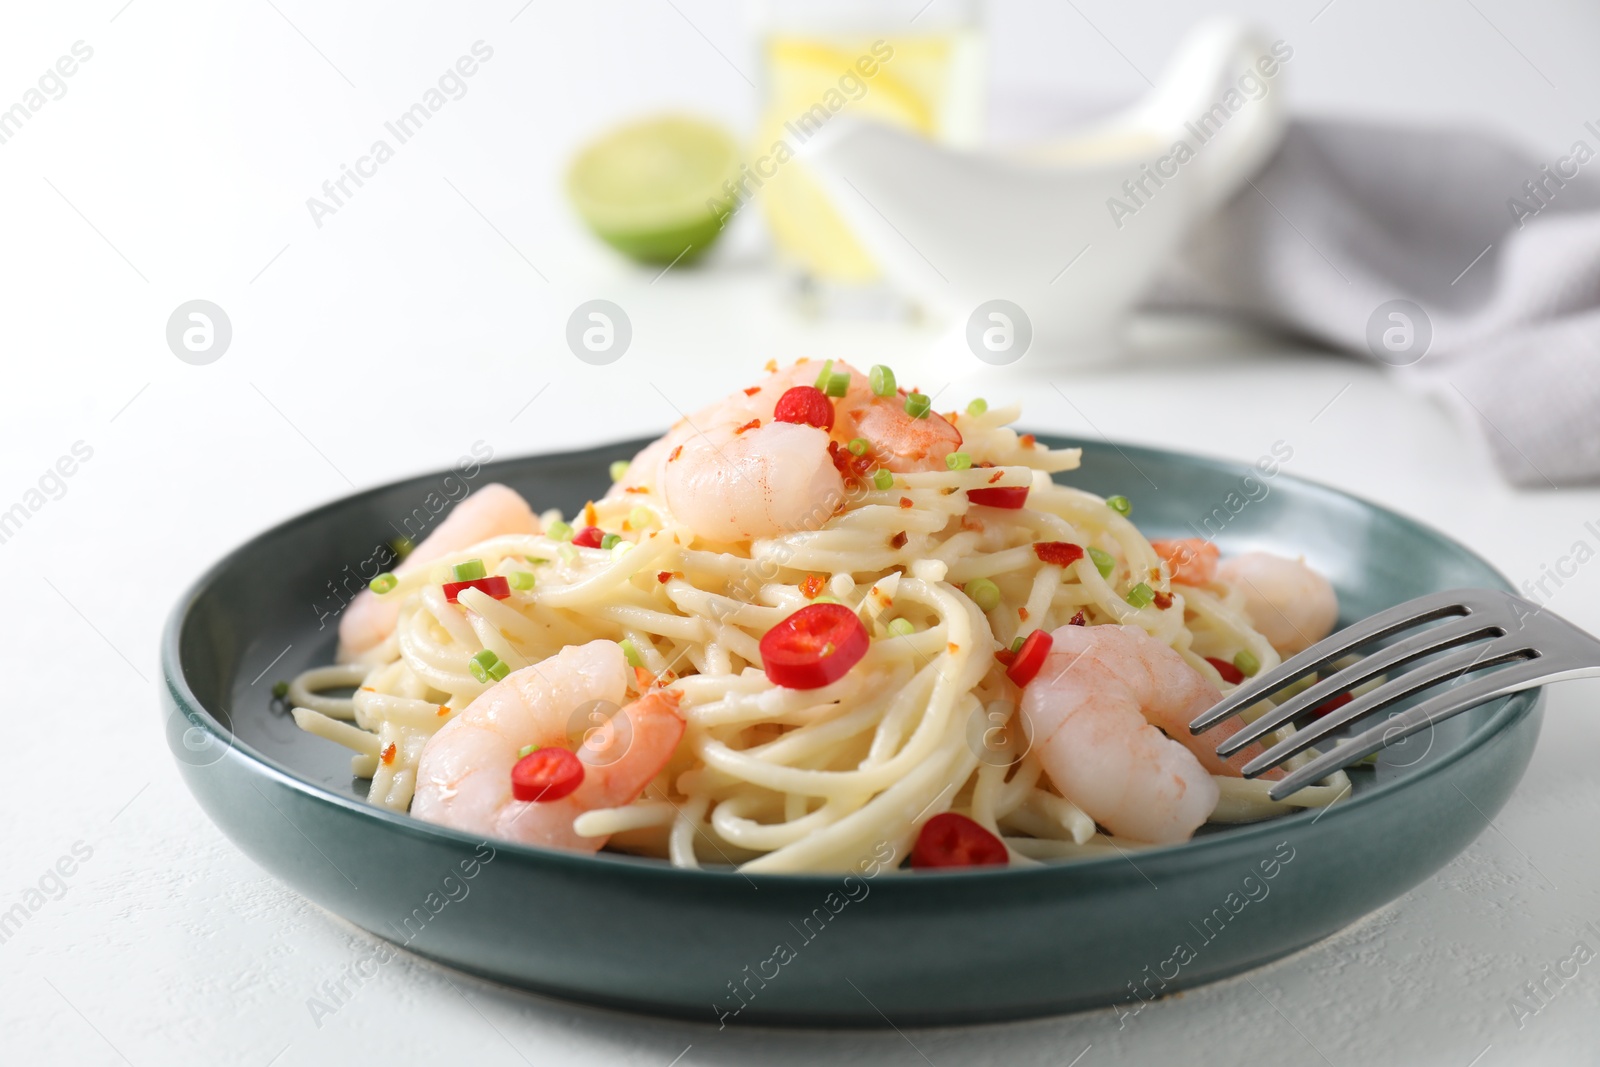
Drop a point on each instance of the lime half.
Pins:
(659, 190)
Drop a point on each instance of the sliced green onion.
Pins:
(619, 470)
(567, 553)
(917, 405)
(559, 531)
(1016, 646)
(1246, 662)
(609, 541)
(984, 593)
(631, 653)
(402, 546)
(469, 571)
(958, 461)
(527, 750)
(520, 579)
(838, 384)
(280, 690)
(882, 380)
(623, 546)
(978, 406)
(383, 583)
(826, 373)
(1141, 595)
(641, 516)
(882, 479)
(858, 447)
(901, 627)
(1104, 562)
(1119, 504)
(487, 667)
(824, 598)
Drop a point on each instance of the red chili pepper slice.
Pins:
(546, 774)
(953, 840)
(1230, 674)
(1010, 497)
(1061, 553)
(589, 537)
(495, 585)
(1330, 705)
(1030, 658)
(815, 646)
(806, 405)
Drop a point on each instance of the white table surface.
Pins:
(409, 327)
(170, 947)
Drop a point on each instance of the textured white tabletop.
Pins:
(428, 314)
(165, 945)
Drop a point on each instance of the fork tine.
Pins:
(1434, 639)
(1401, 617)
(1414, 681)
(1434, 709)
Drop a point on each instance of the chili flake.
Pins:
(898, 540)
(388, 754)
(1061, 553)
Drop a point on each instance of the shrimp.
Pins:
(464, 775)
(731, 473)
(1191, 560)
(1098, 710)
(1292, 605)
(490, 512)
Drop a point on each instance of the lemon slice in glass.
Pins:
(657, 190)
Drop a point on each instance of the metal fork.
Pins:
(1520, 644)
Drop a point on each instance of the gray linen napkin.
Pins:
(1497, 253)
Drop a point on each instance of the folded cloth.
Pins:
(1451, 253)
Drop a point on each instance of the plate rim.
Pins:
(1515, 708)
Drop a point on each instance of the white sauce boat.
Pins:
(1073, 231)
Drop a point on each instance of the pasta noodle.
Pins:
(776, 779)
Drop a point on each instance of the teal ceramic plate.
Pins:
(916, 949)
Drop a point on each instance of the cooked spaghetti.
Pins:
(948, 543)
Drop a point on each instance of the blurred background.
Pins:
(167, 159)
(177, 164)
